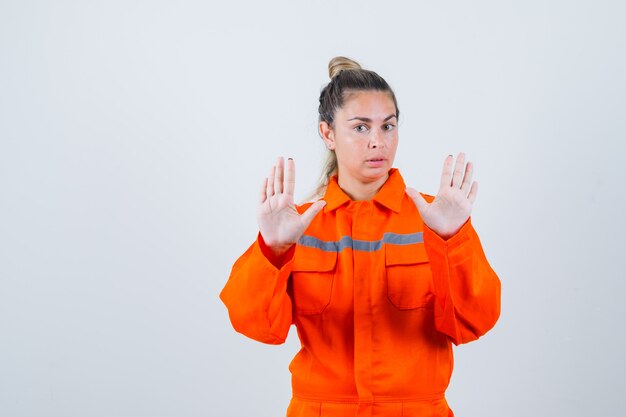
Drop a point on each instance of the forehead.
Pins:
(372, 104)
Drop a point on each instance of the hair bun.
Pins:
(339, 63)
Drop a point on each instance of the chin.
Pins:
(375, 174)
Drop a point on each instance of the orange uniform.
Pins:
(377, 298)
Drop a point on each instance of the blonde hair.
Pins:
(346, 76)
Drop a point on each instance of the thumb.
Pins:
(417, 198)
(311, 212)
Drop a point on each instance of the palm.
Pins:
(280, 223)
(452, 205)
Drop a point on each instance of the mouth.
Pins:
(375, 162)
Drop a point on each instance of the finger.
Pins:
(467, 178)
(269, 189)
(457, 178)
(417, 198)
(290, 176)
(311, 212)
(446, 172)
(473, 192)
(278, 175)
(263, 193)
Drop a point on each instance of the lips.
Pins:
(376, 162)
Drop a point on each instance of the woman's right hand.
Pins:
(280, 223)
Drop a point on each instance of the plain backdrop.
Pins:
(134, 136)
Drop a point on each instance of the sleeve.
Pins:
(256, 294)
(467, 290)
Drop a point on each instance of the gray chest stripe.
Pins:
(360, 245)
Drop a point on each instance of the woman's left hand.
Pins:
(452, 205)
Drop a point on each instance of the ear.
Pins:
(328, 135)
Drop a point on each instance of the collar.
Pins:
(390, 194)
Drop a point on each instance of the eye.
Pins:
(360, 128)
(389, 126)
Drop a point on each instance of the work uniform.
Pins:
(377, 298)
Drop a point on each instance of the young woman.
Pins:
(378, 279)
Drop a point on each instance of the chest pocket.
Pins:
(409, 277)
(312, 279)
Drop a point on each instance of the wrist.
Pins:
(448, 239)
(446, 235)
(279, 250)
(276, 254)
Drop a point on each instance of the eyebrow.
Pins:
(368, 120)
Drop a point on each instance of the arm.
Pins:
(256, 294)
(467, 290)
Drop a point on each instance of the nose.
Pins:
(377, 139)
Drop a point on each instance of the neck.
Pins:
(358, 190)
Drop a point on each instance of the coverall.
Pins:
(377, 298)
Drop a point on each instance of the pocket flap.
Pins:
(405, 254)
(314, 260)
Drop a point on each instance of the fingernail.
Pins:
(290, 159)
